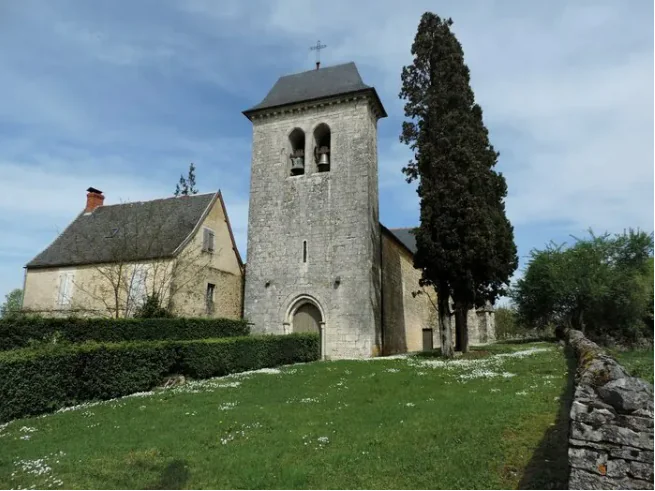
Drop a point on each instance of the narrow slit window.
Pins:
(209, 298)
(304, 251)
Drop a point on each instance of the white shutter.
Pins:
(65, 289)
(137, 287)
(210, 247)
(61, 294)
(205, 239)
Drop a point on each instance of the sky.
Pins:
(123, 95)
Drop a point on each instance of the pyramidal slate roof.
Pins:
(405, 236)
(314, 84)
(127, 232)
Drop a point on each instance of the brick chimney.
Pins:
(94, 199)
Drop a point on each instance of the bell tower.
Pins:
(313, 228)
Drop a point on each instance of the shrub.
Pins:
(25, 331)
(34, 381)
(152, 308)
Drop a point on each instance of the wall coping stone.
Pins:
(611, 422)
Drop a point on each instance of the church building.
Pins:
(318, 258)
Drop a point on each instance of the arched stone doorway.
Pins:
(306, 315)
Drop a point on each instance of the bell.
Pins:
(297, 165)
(324, 160)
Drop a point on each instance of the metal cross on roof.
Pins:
(318, 49)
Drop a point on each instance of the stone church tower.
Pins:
(313, 226)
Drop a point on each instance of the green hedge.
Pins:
(20, 332)
(37, 381)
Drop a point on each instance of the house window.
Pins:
(208, 240)
(65, 289)
(297, 156)
(209, 298)
(304, 251)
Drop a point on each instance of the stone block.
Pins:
(611, 433)
(629, 453)
(591, 460)
(580, 479)
(636, 423)
(589, 414)
(627, 393)
(599, 446)
(617, 468)
(642, 470)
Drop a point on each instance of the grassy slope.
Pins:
(346, 424)
(638, 362)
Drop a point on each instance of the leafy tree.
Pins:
(187, 186)
(465, 244)
(602, 285)
(13, 303)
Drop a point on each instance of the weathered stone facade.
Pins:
(611, 437)
(334, 215)
(404, 316)
(181, 281)
(316, 250)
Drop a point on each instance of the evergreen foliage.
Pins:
(38, 381)
(152, 308)
(465, 244)
(30, 330)
(187, 186)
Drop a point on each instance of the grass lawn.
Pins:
(638, 362)
(496, 419)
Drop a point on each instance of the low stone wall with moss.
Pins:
(611, 434)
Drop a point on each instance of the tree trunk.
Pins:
(461, 328)
(444, 325)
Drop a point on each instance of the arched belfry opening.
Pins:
(297, 155)
(322, 147)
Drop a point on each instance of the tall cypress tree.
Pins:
(465, 244)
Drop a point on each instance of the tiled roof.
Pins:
(312, 85)
(405, 236)
(126, 232)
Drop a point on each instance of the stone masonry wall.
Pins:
(611, 437)
(404, 316)
(335, 213)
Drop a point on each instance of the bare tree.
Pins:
(131, 261)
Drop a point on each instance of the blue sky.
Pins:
(123, 95)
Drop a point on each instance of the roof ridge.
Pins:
(323, 68)
(83, 241)
(158, 199)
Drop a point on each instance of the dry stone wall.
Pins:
(611, 434)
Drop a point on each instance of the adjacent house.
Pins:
(110, 259)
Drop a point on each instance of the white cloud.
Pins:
(124, 99)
